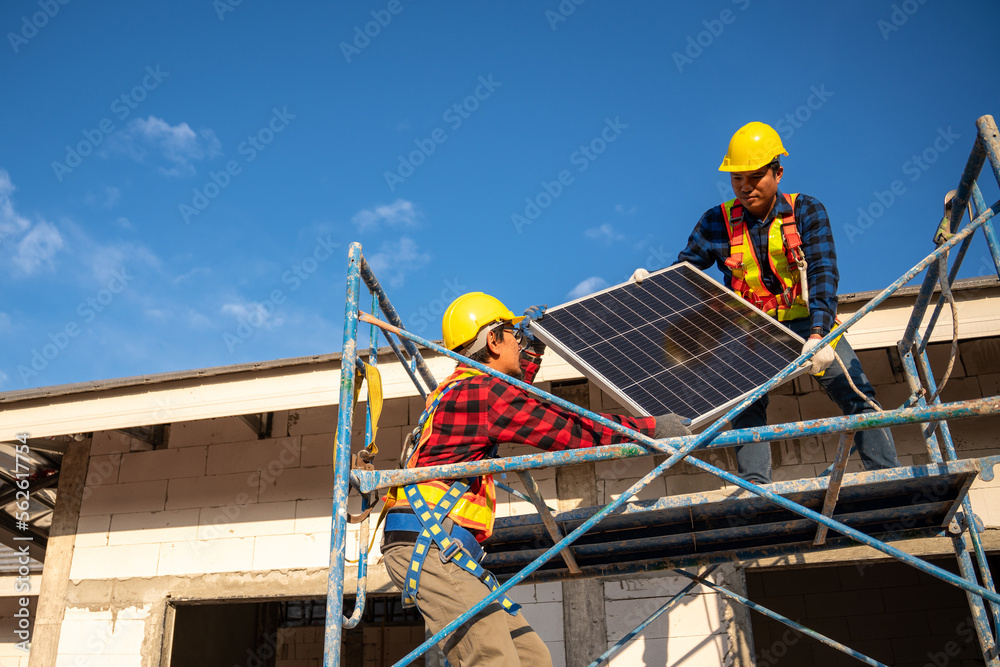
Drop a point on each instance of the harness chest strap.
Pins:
(784, 252)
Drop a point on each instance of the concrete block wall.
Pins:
(693, 632)
(541, 605)
(103, 637)
(216, 499)
(299, 647)
(888, 611)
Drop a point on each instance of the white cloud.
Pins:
(5, 323)
(193, 274)
(178, 144)
(3, 378)
(37, 248)
(33, 246)
(605, 233)
(106, 261)
(254, 313)
(399, 213)
(621, 210)
(11, 223)
(588, 286)
(395, 259)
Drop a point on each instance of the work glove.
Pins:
(638, 276)
(671, 426)
(533, 314)
(822, 359)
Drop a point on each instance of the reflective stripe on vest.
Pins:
(473, 511)
(746, 268)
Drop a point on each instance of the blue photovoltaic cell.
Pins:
(679, 342)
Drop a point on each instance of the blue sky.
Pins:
(179, 182)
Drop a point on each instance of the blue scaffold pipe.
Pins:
(919, 307)
(990, 137)
(514, 492)
(368, 481)
(676, 454)
(360, 597)
(393, 317)
(978, 206)
(798, 627)
(987, 636)
(624, 641)
(980, 618)
(342, 465)
(404, 362)
(928, 429)
(973, 167)
(942, 427)
(939, 306)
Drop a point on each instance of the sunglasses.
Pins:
(518, 334)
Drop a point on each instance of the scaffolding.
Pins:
(703, 530)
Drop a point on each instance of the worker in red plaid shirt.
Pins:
(468, 416)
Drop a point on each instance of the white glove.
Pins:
(821, 360)
(639, 275)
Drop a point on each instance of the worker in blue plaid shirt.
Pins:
(777, 251)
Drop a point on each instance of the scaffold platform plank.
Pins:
(736, 525)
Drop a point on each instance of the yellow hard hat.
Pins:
(468, 314)
(753, 146)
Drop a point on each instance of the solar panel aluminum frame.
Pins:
(537, 328)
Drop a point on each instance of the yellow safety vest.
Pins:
(783, 243)
(474, 511)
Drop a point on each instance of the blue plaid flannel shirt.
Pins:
(709, 242)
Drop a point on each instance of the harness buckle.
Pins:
(450, 551)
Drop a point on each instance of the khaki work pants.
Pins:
(492, 637)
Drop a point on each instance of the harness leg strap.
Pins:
(450, 549)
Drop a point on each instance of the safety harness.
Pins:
(458, 544)
(784, 249)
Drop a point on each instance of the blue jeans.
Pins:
(875, 446)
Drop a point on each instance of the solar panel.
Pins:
(679, 342)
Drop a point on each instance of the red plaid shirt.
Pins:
(483, 411)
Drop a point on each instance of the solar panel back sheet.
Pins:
(678, 342)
